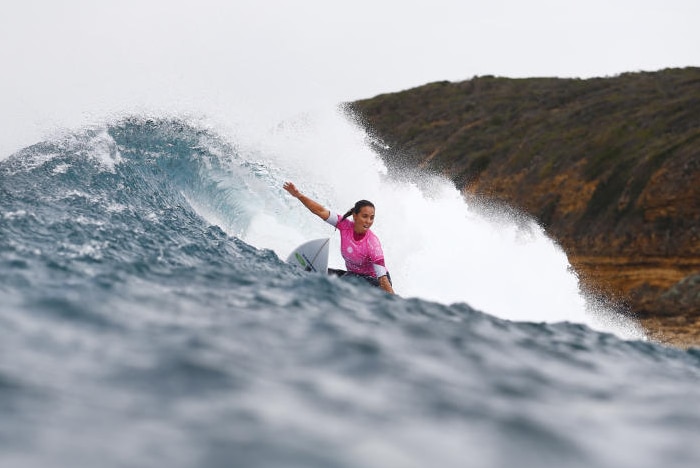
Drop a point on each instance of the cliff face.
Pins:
(610, 167)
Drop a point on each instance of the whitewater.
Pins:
(147, 316)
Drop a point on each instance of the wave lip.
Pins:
(134, 330)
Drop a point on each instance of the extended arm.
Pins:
(313, 206)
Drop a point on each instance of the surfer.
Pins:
(359, 247)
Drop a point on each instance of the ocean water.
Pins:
(147, 317)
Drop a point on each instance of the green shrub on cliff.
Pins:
(610, 166)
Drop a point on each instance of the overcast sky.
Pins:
(64, 60)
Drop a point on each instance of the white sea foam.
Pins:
(437, 246)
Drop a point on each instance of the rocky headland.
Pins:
(610, 167)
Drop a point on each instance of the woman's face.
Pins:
(363, 219)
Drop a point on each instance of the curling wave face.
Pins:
(146, 318)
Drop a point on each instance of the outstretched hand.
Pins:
(313, 206)
(291, 188)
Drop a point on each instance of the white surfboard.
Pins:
(311, 256)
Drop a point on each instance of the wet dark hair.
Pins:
(358, 206)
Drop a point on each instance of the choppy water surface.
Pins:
(146, 319)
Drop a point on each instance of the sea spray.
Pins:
(136, 330)
(438, 246)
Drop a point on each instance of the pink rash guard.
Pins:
(363, 256)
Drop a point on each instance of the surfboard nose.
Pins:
(311, 255)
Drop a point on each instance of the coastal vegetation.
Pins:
(609, 166)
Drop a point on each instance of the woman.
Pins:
(359, 247)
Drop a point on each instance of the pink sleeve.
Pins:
(376, 253)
